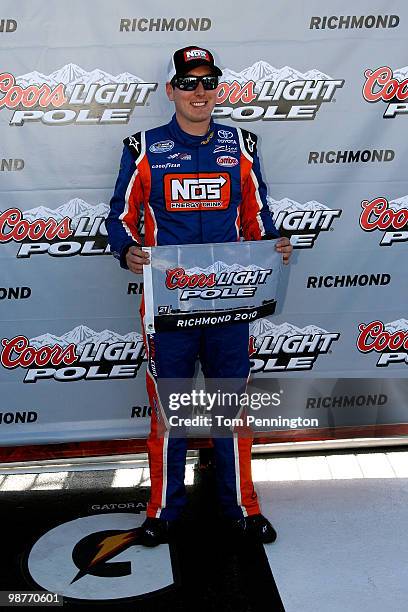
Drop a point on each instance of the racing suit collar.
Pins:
(189, 139)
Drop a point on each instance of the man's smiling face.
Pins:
(193, 108)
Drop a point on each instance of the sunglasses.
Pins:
(190, 83)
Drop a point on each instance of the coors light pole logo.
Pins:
(388, 217)
(273, 94)
(237, 293)
(285, 347)
(72, 95)
(75, 228)
(219, 280)
(302, 223)
(389, 87)
(80, 354)
(389, 340)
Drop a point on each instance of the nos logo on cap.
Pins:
(196, 54)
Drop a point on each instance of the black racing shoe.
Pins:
(154, 531)
(256, 526)
(261, 528)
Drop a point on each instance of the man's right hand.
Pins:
(136, 259)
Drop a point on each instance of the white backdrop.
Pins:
(325, 89)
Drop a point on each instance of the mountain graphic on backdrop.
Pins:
(78, 335)
(75, 209)
(398, 325)
(219, 266)
(401, 73)
(82, 335)
(399, 203)
(261, 71)
(72, 74)
(263, 327)
(288, 205)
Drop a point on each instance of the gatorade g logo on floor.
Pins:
(99, 558)
(209, 191)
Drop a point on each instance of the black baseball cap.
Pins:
(186, 59)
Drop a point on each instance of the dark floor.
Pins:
(211, 570)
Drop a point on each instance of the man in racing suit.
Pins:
(199, 182)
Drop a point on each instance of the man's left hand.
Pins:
(283, 246)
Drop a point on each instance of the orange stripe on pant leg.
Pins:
(155, 446)
(249, 498)
(156, 442)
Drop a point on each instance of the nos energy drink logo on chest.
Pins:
(72, 95)
(209, 191)
(80, 354)
(263, 92)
